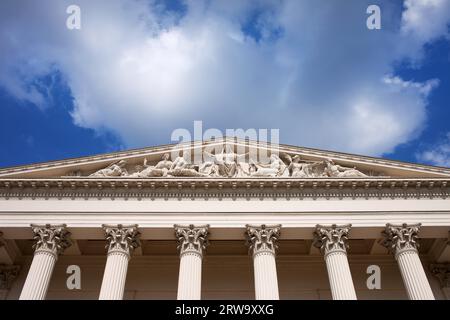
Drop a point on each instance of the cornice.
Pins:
(152, 188)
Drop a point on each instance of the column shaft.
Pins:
(50, 241)
(113, 284)
(341, 282)
(414, 276)
(401, 240)
(39, 275)
(122, 240)
(192, 242)
(190, 277)
(332, 241)
(262, 241)
(266, 282)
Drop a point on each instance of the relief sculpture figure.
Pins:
(182, 168)
(160, 170)
(209, 166)
(232, 165)
(297, 169)
(335, 170)
(225, 163)
(113, 170)
(229, 164)
(276, 168)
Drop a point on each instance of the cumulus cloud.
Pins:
(310, 68)
(426, 19)
(438, 154)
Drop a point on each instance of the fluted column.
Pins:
(333, 243)
(51, 240)
(401, 240)
(192, 242)
(262, 242)
(122, 240)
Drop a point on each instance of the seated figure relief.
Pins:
(223, 164)
(232, 165)
(335, 170)
(182, 168)
(113, 170)
(299, 168)
(160, 170)
(276, 168)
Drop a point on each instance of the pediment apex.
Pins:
(305, 162)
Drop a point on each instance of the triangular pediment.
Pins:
(226, 158)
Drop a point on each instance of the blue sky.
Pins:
(137, 70)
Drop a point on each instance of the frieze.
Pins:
(289, 188)
(229, 165)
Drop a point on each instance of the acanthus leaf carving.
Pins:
(51, 238)
(122, 238)
(191, 239)
(331, 238)
(401, 238)
(263, 238)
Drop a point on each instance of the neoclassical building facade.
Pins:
(225, 219)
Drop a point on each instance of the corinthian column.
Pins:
(401, 240)
(192, 241)
(51, 240)
(332, 241)
(122, 240)
(262, 242)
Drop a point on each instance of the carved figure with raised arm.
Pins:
(160, 170)
(182, 168)
(225, 163)
(296, 168)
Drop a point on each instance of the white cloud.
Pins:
(137, 71)
(438, 155)
(423, 21)
(422, 87)
(426, 19)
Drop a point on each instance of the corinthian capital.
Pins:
(331, 238)
(8, 274)
(263, 238)
(191, 239)
(400, 238)
(122, 238)
(51, 238)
